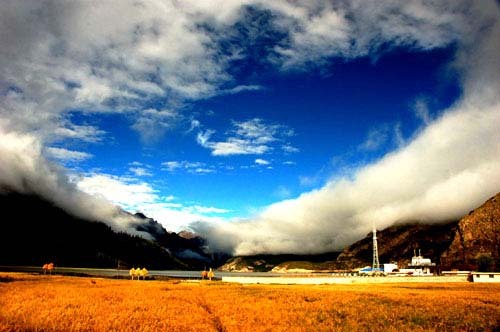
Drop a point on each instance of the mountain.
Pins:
(33, 231)
(476, 240)
(266, 263)
(470, 243)
(398, 243)
(186, 246)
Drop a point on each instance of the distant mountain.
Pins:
(266, 263)
(33, 231)
(186, 246)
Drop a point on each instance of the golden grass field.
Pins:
(31, 302)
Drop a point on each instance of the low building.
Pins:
(485, 276)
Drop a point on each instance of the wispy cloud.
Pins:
(260, 161)
(67, 155)
(123, 191)
(90, 134)
(376, 138)
(288, 148)
(421, 110)
(188, 166)
(249, 137)
(283, 192)
(140, 171)
(151, 124)
(241, 88)
(207, 209)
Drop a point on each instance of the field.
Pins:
(31, 302)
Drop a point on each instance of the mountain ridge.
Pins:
(36, 231)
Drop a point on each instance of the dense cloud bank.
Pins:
(59, 58)
(24, 169)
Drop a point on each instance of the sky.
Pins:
(279, 127)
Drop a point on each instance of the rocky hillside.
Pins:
(470, 243)
(476, 238)
(398, 244)
(455, 245)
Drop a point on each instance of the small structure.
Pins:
(485, 276)
(390, 267)
(419, 266)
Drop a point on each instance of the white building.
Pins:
(485, 276)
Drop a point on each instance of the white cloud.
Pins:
(188, 166)
(422, 111)
(260, 161)
(171, 165)
(236, 146)
(176, 217)
(376, 137)
(152, 124)
(126, 192)
(140, 171)
(241, 88)
(207, 209)
(288, 148)
(134, 195)
(201, 170)
(83, 133)
(67, 155)
(25, 169)
(282, 192)
(247, 137)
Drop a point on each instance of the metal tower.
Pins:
(375, 264)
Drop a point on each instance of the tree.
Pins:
(484, 262)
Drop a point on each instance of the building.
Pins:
(485, 276)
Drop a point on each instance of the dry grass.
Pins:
(56, 303)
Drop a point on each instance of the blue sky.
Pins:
(327, 121)
(260, 125)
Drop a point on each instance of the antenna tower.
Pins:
(375, 264)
